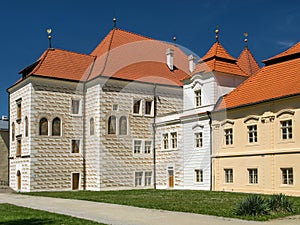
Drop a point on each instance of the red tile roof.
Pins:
(219, 60)
(153, 72)
(118, 50)
(247, 62)
(272, 81)
(62, 64)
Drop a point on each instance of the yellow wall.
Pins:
(268, 155)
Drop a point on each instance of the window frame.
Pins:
(174, 140)
(252, 176)
(165, 141)
(147, 178)
(228, 136)
(92, 126)
(139, 107)
(287, 176)
(26, 126)
(110, 128)
(73, 112)
(151, 113)
(78, 143)
(252, 132)
(123, 118)
(60, 127)
(286, 130)
(198, 98)
(147, 151)
(228, 172)
(138, 180)
(40, 127)
(135, 150)
(198, 175)
(198, 140)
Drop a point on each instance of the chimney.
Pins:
(192, 62)
(170, 58)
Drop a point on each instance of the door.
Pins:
(171, 178)
(75, 181)
(19, 179)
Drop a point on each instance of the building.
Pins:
(184, 152)
(135, 113)
(4, 151)
(255, 131)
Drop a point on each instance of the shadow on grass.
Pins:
(28, 222)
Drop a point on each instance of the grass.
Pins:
(202, 202)
(16, 215)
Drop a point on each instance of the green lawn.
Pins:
(202, 202)
(16, 215)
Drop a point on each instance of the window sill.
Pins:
(137, 115)
(286, 141)
(287, 186)
(76, 115)
(149, 115)
(170, 149)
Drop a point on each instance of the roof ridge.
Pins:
(78, 53)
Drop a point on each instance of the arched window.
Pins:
(43, 129)
(26, 126)
(112, 125)
(56, 127)
(92, 126)
(13, 132)
(123, 125)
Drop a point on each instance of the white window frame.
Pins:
(140, 106)
(287, 176)
(228, 136)
(79, 107)
(147, 178)
(228, 175)
(151, 109)
(252, 133)
(147, 151)
(286, 130)
(198, 98)
(198, 140)
(198, 175)
(165, 141)
(80, 147)
(138, 180)
(253, 175)
(174, 145)
(135, 152)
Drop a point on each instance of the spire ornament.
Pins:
(49, 31)
(174, 40)
(217, 33)
(246, 39)
(115, 22)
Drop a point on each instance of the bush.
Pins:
(253, 205)
(280, 203)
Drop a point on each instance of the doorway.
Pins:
(75, 181)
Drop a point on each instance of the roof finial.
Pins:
(217, 33)
(246, 39)
(115, 22)
(49, 31)
(174, 39)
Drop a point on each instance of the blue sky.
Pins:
(79, 26)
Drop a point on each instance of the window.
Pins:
(253, 176)
(13, 131)
(165, 141)
(137, 106)
(56, 127)
(26, 126)
(92, 126)
(286, 129)
(137, 146)
(252, 133)
(149, 107)
(147, 147)
(138, 178)
(198, 140)
(75, 146)
(115, 107)
(174, 140)
(19, 147)
(19, 109)
(228, 175)
(112, 125)
(123, 125)
(198, 98)
(228, 136)
(198, 176)
(43, 129)
(148, 178)
(287, 176)
(75, 107)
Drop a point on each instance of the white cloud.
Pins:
(285, 44)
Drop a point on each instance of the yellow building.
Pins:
(256, 131)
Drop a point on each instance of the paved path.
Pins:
(127, 215)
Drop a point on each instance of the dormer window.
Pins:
(198, 98)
